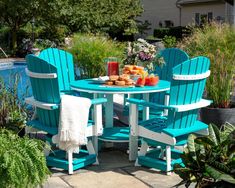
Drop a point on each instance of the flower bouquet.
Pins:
(144, 54)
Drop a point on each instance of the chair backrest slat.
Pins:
(44, 89)
(172, 57)
(64, 62)
(188, 91)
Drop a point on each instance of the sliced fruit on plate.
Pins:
(152, 80)
(140, 81)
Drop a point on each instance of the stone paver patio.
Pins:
(114, 171)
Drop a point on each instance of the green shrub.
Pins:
(90, 52)
(4, 42)
(169, 41)
(13, 112)
(161, 32)
(216, 41)
(209, 160)
(177, 32)
(22, 161)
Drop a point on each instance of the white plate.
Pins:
(101, 79)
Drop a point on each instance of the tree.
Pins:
(17, 13)
(110, 16)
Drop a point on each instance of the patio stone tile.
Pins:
(153, 177)
(111, 160)
(108, 159)
(104, 179)
(57, 182)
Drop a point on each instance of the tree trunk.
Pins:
(14, 39)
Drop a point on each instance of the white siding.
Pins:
(229, 13)
(156, 11)
(188, 12)
(160, 10)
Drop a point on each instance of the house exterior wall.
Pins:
(156, 11)
(189, 11)
(229, 13)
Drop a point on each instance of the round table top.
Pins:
(92, 86)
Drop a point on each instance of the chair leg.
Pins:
(168, 160)
(143, 150)
(46, 149)
(162, 152)
(91, 150)
(95, 144)
(70, 160)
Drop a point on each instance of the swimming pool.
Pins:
(8, 71)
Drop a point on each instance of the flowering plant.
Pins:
(142, 53)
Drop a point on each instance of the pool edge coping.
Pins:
(13, 60)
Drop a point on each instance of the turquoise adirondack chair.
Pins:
(63, 61)
(172, 57)
(44, 78)
(187, 86)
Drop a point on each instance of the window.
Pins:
(201, 19)
(197, 19)
(210, 17)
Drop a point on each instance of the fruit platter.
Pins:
(132, 75)
(150, 80)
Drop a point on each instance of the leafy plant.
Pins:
(22, 161)
(216, 41)
(43, 44)
(12, 110)
(210, 159)
(90, 52)
(169, 41)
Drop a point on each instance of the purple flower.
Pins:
(144, 57)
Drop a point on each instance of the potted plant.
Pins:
(142, 53)
(22, 161)
(209, 160)
(216, 41)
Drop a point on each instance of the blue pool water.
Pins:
(8, 71)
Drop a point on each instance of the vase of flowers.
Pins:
(142, 53)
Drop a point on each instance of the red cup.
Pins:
(113, 68)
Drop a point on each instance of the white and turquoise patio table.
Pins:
(119, 134)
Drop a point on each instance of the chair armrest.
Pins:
(98, 101)
(43, 105)
(150, 104)
(200, 104)
(167, 92)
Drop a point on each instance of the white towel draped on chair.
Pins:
(74, 112)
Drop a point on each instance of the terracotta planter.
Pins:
(218, 116)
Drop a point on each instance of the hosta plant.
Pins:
(22, 161)
(209, 160)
